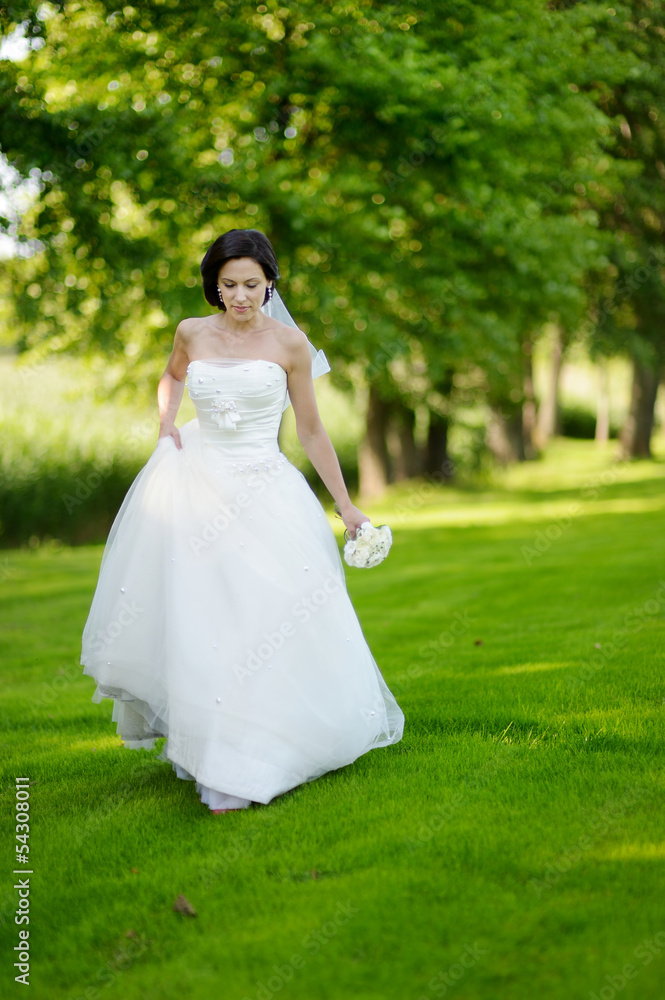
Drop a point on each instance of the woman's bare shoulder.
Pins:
(292, 345)
(191, 325)
(288, 336)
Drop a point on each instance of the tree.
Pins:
(419, 174)
(629, 313)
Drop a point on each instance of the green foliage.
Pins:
(577, 422)
(438, 179)
(381, 151)
(68, 456)
(629, 304)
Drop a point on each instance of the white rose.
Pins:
(370, 546)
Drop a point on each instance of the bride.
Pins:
(221, 618)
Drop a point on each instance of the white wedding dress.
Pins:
(221, 618)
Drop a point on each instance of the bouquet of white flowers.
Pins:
(370, 546)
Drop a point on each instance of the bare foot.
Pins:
(218, 811)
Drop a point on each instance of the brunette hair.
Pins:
(237, 243)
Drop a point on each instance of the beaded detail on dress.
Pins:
(272, 464)
(225, 412)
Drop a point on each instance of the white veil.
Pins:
(276, 309)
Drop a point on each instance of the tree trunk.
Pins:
(403, 450)
(636, 432)
(505, 434)
(529, 404)
(373, 460)
(548, 421)
(603, 404)
(437, 459)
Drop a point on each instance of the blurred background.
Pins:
(466, 201)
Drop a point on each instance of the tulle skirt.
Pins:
(221, 620)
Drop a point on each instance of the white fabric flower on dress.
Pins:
(370, 546)
(225, 413)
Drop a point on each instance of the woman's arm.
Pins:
(171, 387)
(313, 435)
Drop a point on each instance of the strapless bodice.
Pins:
(239, 404)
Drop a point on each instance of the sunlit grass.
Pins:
(573, 479)
(521, 814)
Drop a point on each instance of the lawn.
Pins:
(511, 845)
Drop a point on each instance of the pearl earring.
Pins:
(219, 292)
(270, 291)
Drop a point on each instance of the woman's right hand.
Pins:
(170, 430)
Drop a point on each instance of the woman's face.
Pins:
(243, 286)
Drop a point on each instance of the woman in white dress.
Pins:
(221, 618)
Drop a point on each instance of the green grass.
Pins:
(518, 823)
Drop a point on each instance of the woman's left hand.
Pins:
(353, 518)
